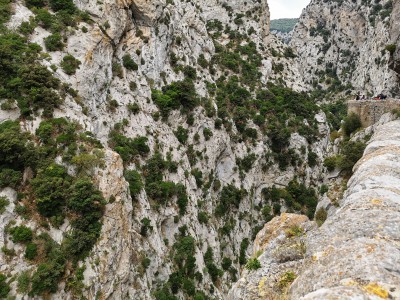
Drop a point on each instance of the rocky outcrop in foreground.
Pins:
(354, 254)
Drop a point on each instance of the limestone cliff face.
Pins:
(150, 31)
(395, 36)
(354, 254)
(344, 43)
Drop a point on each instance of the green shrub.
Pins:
(129, 63)
(330, 163)
(246, 163)
(212, 269)
(10, 178)
(286, 279)
(135, 182)
(242, 254)
(4, 286)
(154, 168)
(146, 262)
(3, 204)
(23, 282)
(126, 147)
(202, 216)
(288, 53)
(207, 133)
(202, 61)
(320, 216)
(31, 251)
(69, 64)
(50, 188)
(391, 48)
(47, 277)
(181, 134)
(21, 234)
(44, 18)
(190, 72)
(146, 226)
(230, 196)
(177, 94)
(198, 176)
(253, 264)
(54, 42)
(134, 108)
(5, 11)
(65, 5)
(323, 189)
(117, 70)
(161, 191)
(87, 204)
(350, 153)
(351, 123)
(16, 153)
(312, 159)
(266, 212)
(294, 231)
(226, 263)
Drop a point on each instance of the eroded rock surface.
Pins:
(345, 42)
(355, 253)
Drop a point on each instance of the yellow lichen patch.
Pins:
(375, 289)
(261, 286)
(348, 282)
(376, 201)
(89, 56)
(371, 248)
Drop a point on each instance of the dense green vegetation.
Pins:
(55, 196)
(180, 94)
(351, 123)
(4, 286)
(350, 152)
(297, 197)
(283, 25)
(23, 79)
(127, 147)
(5, 12)
(70, 64)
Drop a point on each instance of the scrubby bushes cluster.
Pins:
(296, 196)
(23, 79)
(70, 64)
(241, 57)
(55, 196)
(5, 11)
(127, 147)
(350, 152)
(180, 94)
(351, 123)
(185, 275)
(230, 197)
(162, 191)
(16, 153)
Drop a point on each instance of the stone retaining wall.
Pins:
(370, 111)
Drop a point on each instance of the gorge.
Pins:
(173, 149)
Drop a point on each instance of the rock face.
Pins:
(168, 41)
(354, 254)
(344, 43)
(152, 33)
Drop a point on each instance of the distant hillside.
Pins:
(283, 25)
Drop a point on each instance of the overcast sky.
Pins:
(286, 8)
